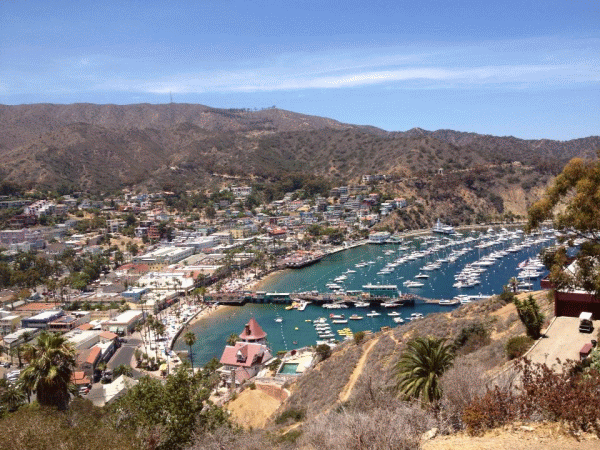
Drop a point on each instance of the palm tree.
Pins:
(232, 339)
(190, 340)
(514, 284)
(13, 397)
(421, 366)
(123, 369)
(52, 361)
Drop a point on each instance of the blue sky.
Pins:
(526, 68)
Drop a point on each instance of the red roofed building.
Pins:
(253, 332)
(247, 357)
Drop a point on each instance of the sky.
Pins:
(526, 68)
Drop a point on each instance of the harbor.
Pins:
(368, 287)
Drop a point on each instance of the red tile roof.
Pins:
(107, 335)
(245, 354)
(85, 326)
(94, 355)
(252, 331)
(79, 378)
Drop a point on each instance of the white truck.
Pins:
(585, 322)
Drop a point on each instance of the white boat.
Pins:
(340, 321)
(278, 319)
(449, 302)
(355, 317)
(362, 304)
(394, 314)
(373, 314)
(398, 320)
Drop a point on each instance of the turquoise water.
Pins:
(289, 368)
(297, 329)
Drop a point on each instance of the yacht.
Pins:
(394, 314)
(373, 314)
(278, 319)
(355, 317)
(362, 304)
(398, 320)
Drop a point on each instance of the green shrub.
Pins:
(472, 338)
(324, 351)
(359, 337)
(275, 364)
(530, 315)
(295, 415)
(517, 346)
(252, 386)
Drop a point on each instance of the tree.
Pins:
(51, 364)
(324, 351)
(190, 339)
(12, 397)
(513, 283)
(530, 315)
(577, 188)
(232, 339)
(421, 366)
(123, 369)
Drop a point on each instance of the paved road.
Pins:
(563, 340)
(124, 356)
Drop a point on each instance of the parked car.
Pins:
(6, 365)
(83, 390)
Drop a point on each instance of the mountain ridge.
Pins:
(99, 147)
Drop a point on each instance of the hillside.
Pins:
(104, 147)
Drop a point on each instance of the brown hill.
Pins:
(100, 147)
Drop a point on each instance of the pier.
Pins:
(241, 298)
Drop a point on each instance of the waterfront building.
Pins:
(380, 237)
(382, 290)
(247, 357)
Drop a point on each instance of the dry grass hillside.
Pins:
(103, 147)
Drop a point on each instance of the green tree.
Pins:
(51, 364)
(421, 366)
(12, 397)
(232, 339)
(190, 339)
(324, 351)
(579, 187)
(123, 369)
(530, 315)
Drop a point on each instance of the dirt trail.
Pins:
(345, 394)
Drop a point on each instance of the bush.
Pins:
(517, 346)
(359, 337)
(324, 351)
(472, 338)
(274, 365)
(252, 386)
(295, 415)
(568, 396)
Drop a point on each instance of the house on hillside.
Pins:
(247, 357)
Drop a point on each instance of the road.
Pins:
(124, 355)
